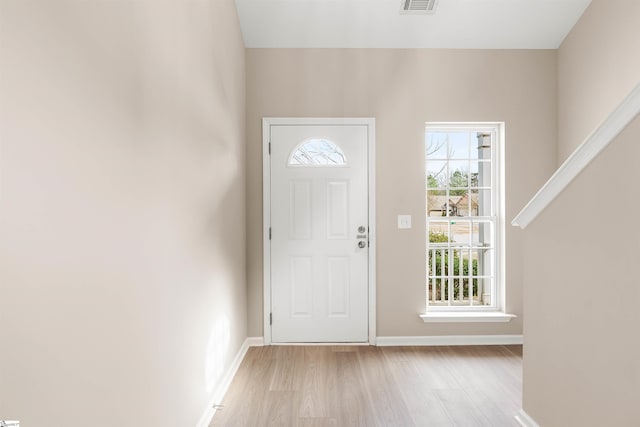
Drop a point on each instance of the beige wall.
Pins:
(122, 200)
(598, 65)
(582, 354)
(403, 89)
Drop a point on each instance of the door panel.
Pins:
(337, 209)
(301, 286)
(319, 199)
(300, 209)
(339, 281)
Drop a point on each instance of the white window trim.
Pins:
(466, 317)
(495, 313)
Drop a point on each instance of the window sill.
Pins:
(466, 317)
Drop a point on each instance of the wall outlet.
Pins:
(404, 221)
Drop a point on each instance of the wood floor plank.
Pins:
(385, 396)
(425, 408)
(244, 397)
(433, 368)
(353, 405)
(288, 374)
(497, 409)
(318, 392)
(276, 409)
(317, 422)
(335, 386)
(515, 349)
(461, 408)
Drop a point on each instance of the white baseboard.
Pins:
(451, 340)
(320, 344)
(255, 341)
(525, 420)
(225, 382)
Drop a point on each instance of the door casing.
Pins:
(267, 122)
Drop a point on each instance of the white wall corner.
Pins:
(525, 420)
(218, 393)
(450, 340)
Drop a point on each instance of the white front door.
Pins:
(319, 233)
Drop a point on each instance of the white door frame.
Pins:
(267, 122)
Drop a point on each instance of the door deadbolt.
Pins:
(362, 229)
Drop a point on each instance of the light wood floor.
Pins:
(314, 386)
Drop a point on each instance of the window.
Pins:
(463, 174)
(317, 152)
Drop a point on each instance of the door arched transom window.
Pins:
(317, 152)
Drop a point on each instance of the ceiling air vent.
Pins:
(418, 7)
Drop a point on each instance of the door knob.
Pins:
(362, 244)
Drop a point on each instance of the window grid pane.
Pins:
(460, 219)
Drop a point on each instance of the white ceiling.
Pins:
(466, 24)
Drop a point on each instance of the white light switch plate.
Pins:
(404, 221)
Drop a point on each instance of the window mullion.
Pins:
(443, 280)
(470, 268)
(469, 213)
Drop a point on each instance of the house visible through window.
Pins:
(463, 207)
